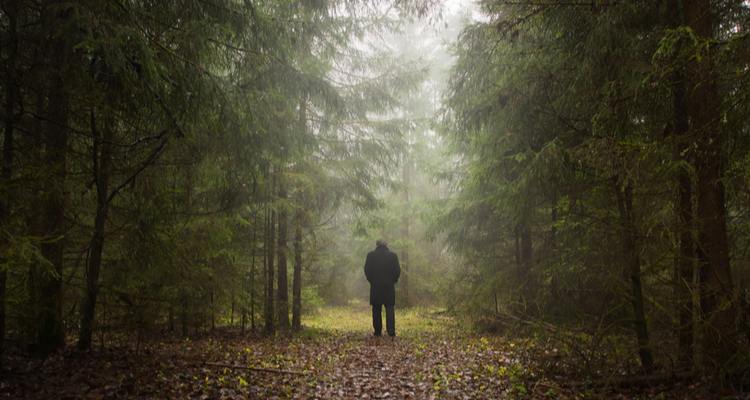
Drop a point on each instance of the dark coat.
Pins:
(382, 271)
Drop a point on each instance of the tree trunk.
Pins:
(406, 177)
(282, 289)
(633, 269)
(101, 180)
(51, 335)
(184, 318)
(7, 163)
(170, 317)
(252, 276)
(269, 254)
(297, 280)
(517, 247)
(438, 253)
(684, 270)
(298, 219)
(685, 257)
(716, 289)
(35, 224)
(526, 247)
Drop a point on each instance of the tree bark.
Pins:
(298, 219)
(35, 224)
(184, 318)
(101, 181)
(716, 289)
(684, 270)
(517, 247)
(253, 274)
(685, 257)
(406, 177)
(633, 269)
(7, 164)
(51, 335)
(282, 289)
(297, 280)
(526, 246)
(269, 255)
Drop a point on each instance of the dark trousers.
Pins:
(377, 319)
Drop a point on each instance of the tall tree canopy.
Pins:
(156, 153)
(592, 149)
(192, 162)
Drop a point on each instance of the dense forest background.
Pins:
(580, 166)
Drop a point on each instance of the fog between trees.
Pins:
(187, 164)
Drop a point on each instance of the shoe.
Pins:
(376, 334)
(392, 334)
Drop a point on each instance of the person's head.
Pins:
(381, 242)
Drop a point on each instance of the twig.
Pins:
(552, 387)
(648, 380)
(544, 325)
(276, 371)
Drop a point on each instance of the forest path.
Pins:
(431, 357)
(335, 357)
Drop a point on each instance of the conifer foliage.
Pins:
(600, 148)
(160, 156)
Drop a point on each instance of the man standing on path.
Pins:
(382, 271)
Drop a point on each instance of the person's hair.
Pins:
(381, 242)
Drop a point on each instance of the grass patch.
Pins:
(356, 318)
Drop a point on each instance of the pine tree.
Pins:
(552, 102)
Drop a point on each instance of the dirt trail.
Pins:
(432, 357)
(408, 368)
(336, 357)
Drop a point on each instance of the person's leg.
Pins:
(377, 319)
(390, 320)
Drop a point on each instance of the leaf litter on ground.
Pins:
(335, 357)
